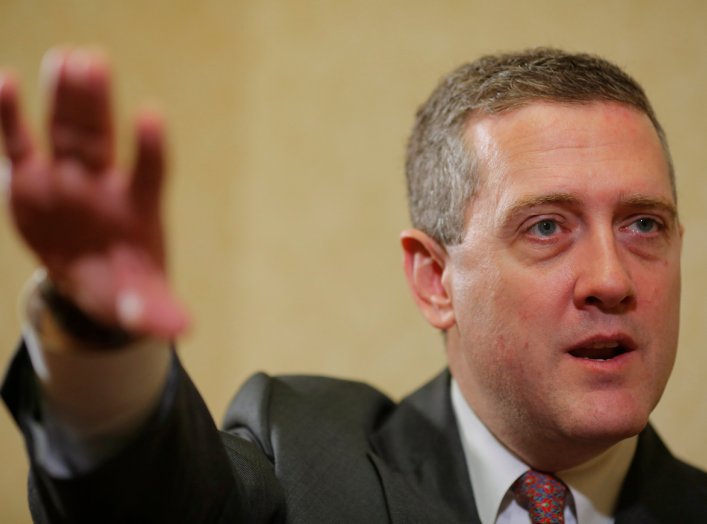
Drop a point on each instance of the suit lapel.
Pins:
(657, 487)
(419, 458)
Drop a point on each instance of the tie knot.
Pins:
(543, 495)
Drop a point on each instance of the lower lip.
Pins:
(611, 365)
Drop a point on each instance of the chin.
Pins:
(608, 434)
(608, 424)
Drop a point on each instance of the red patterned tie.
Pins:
(543, 495)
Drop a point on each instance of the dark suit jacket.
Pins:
(309, 450)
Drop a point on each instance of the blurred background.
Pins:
(286, 194)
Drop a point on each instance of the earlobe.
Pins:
(425, 263)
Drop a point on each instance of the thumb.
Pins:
(150, 308)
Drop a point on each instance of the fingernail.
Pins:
(130, 307)
(49, 67)
(78, 63)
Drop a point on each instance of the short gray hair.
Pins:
(441, 170)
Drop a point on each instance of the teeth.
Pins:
(603, 345)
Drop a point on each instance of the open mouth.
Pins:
(600, 351)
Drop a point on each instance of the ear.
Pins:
(425, 262)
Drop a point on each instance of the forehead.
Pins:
(580, 149)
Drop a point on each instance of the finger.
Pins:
(80, 120)
(16, 138)
(146, 183)
(144, 303)
(151, 310)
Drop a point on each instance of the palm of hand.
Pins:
(94, 226)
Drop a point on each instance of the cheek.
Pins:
(658, 317)
(659, 299)
(509, 307)
(539, 302)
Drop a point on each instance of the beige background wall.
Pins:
(288, 120)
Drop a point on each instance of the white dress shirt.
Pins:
(493, 468)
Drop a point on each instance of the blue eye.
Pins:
(544, 228)
(646, 225)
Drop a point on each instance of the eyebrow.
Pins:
(530, 202)
(636, 201)
(647, 202)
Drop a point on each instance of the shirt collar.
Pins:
(595, 485)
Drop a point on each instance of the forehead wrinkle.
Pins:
(561, 154)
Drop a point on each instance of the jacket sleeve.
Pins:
(178, 468)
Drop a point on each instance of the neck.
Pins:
(544, 449)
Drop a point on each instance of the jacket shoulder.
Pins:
(315, 432)
(305, 403)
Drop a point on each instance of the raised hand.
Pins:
(95, 227)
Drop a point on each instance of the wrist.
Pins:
(60, 318)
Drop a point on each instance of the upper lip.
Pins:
(603, 347)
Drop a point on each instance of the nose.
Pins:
(603, 280)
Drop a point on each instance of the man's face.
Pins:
(566, 286)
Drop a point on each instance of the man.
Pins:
(546, 248)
